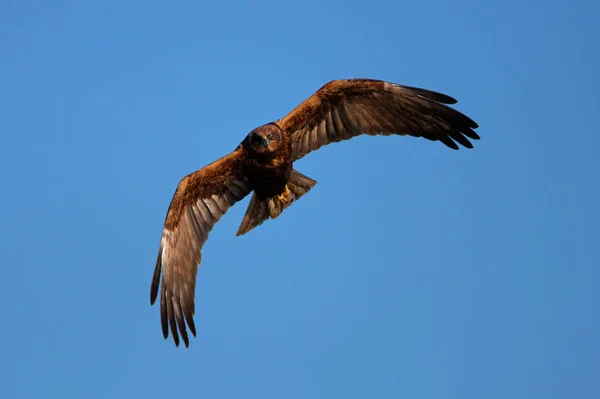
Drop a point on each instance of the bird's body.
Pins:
(268, 172)
(263, 163)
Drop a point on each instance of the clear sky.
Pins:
(410, 271)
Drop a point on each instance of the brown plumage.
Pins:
(263, 163)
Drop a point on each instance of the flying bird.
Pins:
(263, 164)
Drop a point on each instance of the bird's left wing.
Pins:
(343, 109)
(199, 202)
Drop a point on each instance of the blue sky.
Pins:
(410, 270)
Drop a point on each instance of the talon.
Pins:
(284, 197)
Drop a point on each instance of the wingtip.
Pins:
(156, 277)
(192, 327)
(428, 94)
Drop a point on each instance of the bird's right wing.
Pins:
(199, 202)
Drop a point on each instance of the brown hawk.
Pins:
(263, 164)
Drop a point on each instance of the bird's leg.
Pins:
(285, 197)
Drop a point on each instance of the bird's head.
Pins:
(265, 139)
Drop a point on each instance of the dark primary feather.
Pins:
(343, 109)
(199, 202)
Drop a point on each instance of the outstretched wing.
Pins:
(343, 109)
(199, 202)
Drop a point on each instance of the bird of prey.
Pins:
(263, 164)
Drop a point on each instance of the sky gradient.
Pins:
(409, 271)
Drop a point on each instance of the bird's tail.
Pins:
(258, 211)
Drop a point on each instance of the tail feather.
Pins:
(259, 211)
(300, 184)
